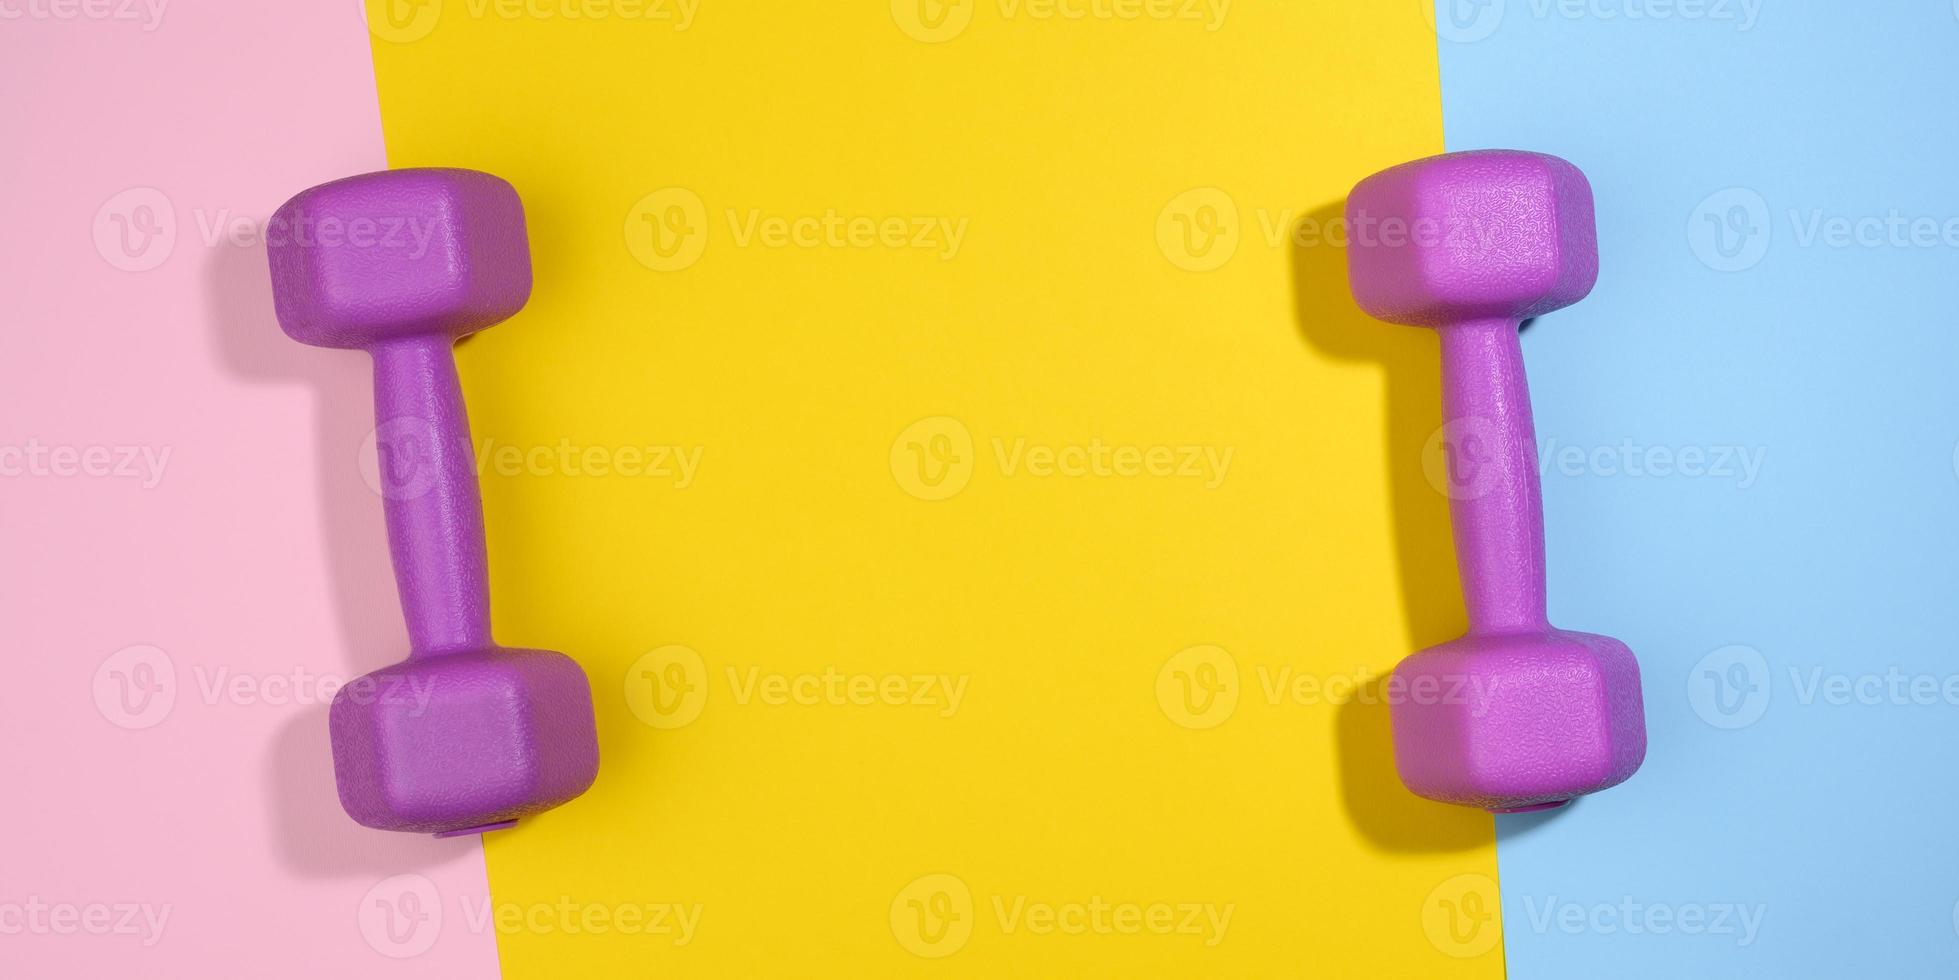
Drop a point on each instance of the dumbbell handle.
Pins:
(434, 511)
(1495, 503)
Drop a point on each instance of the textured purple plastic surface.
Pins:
(465, 735)
(1515, 715)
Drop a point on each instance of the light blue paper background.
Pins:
(1837, 824)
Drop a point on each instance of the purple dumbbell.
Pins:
(1516, 715)
(465, 736)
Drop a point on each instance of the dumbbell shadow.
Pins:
(1385, 812)
(314, 839)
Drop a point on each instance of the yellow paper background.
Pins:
(1079, 153)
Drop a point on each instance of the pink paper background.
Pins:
(259, 553)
